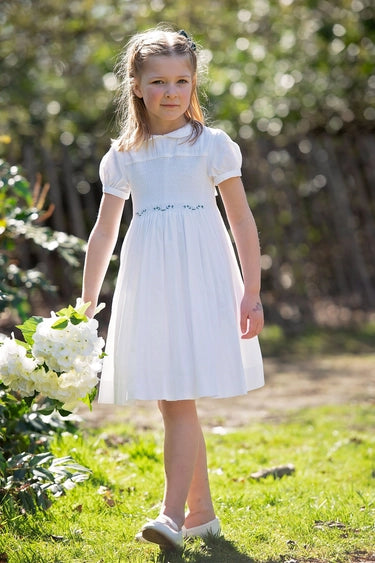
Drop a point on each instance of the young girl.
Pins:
(184, 323)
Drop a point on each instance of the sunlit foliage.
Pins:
(293, 81)
(276, 66)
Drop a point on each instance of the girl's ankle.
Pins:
(178, 521)
(193, 519)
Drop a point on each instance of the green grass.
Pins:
(325, 511)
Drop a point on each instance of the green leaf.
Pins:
(19, 460)
(27, 500)
(83, 308)
(39, 459)
(28, 328)
(64, 412)
(60, 324)
(75, 316)
(42, 499)
(76, 319)
(46, 410)
(62, 460)
(65, 312)
(41, 473)
(29, 400)
(89, 398)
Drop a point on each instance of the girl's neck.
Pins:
(165, 128)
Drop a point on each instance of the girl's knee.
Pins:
(173, 409)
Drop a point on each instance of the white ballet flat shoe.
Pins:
(139, 538)
(212, 527)
(164, 532)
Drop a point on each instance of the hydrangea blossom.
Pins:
(60, 358)
(16, 367)
(64, 349)
(68, 387)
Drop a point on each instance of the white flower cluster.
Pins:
(62, 363)
(16, 367)
(65, 349)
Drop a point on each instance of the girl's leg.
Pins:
(199, 499)
(185, 465)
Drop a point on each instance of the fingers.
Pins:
(254, 327)
(251, 323)
(244, 323)
(90, 312)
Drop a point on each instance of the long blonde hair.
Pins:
(131, 110)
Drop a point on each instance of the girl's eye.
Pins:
(180, 81)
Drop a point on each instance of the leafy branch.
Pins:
(21, 212)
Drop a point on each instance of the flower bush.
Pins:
(35, 390)
(59, 358)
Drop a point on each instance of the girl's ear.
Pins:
(137, 90)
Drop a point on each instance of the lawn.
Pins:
(322, 511)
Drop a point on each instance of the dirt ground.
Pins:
(289, 386)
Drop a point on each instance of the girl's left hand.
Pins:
(252, 319)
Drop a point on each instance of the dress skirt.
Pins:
(174, 331)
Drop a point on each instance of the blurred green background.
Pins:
(292, 81)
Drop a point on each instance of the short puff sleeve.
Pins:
(225, 158)
(112, 174)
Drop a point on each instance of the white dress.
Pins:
(174, 330)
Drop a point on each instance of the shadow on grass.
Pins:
(212, 550)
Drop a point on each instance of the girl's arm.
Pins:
(100, 247)
(245, 234)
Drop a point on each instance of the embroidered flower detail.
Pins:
(167, 208)
(193, 207)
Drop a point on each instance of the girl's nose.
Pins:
(171, 91)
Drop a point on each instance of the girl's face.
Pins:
(166, 85)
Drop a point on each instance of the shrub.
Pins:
(29, 474)
(21, 214)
